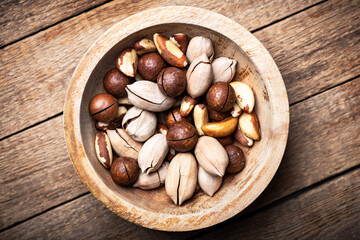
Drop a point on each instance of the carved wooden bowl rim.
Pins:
(265, 66)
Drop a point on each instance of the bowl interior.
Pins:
(233, 185)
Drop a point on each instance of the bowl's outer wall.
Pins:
(255, 67)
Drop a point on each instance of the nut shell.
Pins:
(147, 95)
(181, 178)
(228, 140)
(115, 83)
(250, 126)
(220, 129)
(127, 62)
(242, 139)
(187, 104)
(150, 65)
(208, 183)
(174, 116)
(124, 171)
(199, 45)
(152, 180)
(144, 46)
(103, 149)
(153, 153)
(244, 96)
(200, 117)
(114, 123)
(103, 107)
(169, 51)
(171, 81)
(181, 40)
(182, 136)
(123, 144)
(199, 76)
(236, 159)
(220, 97)
(139, 124)
(217, 116)
(211, 156)
(224, 69)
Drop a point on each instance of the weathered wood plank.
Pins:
(316, 49)
(313, 153)
(21, 18)
(331, 211)
(35, 72)
(327, 211)
(324, 139)
(36, 172)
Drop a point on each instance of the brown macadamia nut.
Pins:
(115, 83)
(172, 81)
(236, 159)
(217, 116)
(220, 97)
(124, 171)
(103, 107)
(150, 65)
(174, 116)
(182, 136)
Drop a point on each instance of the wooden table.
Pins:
(314, 194)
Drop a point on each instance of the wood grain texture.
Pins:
(330, 211)
(36, 172)
(301, 166)
(316, 49)
(23, 65)
(324, 139)
(21, 18)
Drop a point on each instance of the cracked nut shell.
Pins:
(236, 159)
(103, 107)
(169, 51)
(172, 81)
(127, 62)
(220, 97)
(181, 40)
(144, 46)
(150, 65)
(115, 82)
(182, 136)
(181, 178)
(174, 116)
(124, 171)
(103, 149)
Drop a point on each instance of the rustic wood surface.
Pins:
(71, 39)
(21, 19)
(314, 193)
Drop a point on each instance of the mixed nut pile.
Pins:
(155, 116)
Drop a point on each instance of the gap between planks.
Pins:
(288, 16)
(106, 2)
(53, 24)
(278, 201)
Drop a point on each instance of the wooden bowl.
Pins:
(153, 209)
